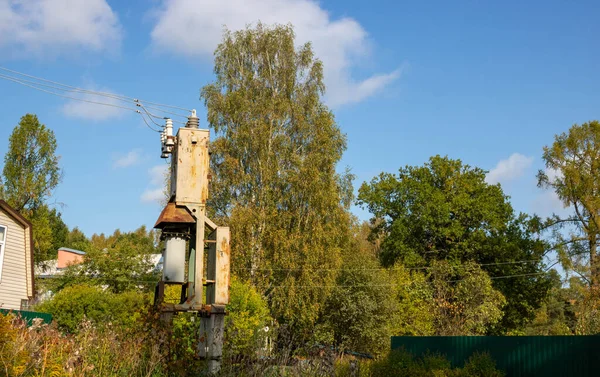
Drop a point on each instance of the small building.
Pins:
(16, 259)
(67, 257)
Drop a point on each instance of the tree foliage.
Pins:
(360, 312)
(445, 210)
(248, 323)
(73, 304)
(120, 262)
(77, 240)
(31, 170)
(556, 316)
(464, 299)
(50, 232)
(572, 171)
(274, 161)
(29, 177)
(401, 363)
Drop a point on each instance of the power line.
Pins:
(74, 90)
(323, 286)
(150, 116)
(164, 111)
(34, 85)
(147, 124)
(395, 285)
(373, 269)
(68, 97)
(24, 82)
(111, 95)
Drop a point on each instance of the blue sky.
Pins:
(487, 82)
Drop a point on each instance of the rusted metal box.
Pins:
(218, 267)
(189, 168)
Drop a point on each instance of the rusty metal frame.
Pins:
(186, 213)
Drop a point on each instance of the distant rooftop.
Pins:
(72, 250)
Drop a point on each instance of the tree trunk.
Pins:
(594, 270)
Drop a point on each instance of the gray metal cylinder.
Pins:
(174, 260)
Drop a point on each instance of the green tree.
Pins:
(121, 263)
(50, 232)
(360, 311)
(31, 171)
(246, 323)
(573, 172)
(464, 299)
(445, 210)
(274, 178)
(30, 175)
(445, 299)
(60, 230)
(584, 308)
(77, 240)
(556, 316)
(414, 297)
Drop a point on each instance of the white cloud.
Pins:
(547, 203)
(158, 174)
(54, 26)
(153, 195)
(131, 158)
(363, 89)
(553, 174)
(93, 111)
(157, 182)
(194, 28)
(509, 169)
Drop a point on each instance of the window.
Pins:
(2, 242)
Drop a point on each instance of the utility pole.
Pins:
(187, 231)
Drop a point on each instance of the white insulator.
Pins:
(169, 127)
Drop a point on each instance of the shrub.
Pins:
(401, 363)
(71, 305)
(248, 315)
(481, 365)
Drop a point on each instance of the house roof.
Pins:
(79, 252)
(14, 214)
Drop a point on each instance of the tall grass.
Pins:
(149, 349)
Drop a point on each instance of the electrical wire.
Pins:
(165, 111)
(34, 85)
(147, 124)
(373, 269)
(138, 104)
(74, 90)
(394, 285)
(150, 116)
(64, 96)
(112, 95)
(332, 285)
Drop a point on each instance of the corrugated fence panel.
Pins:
(29, 316)
(518, 356)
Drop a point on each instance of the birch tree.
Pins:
(274, 171)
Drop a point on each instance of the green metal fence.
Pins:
(518, 356)
(29, 316)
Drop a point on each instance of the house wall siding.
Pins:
(16, 276)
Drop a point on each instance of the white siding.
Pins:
(14, 280)
(28, 263)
